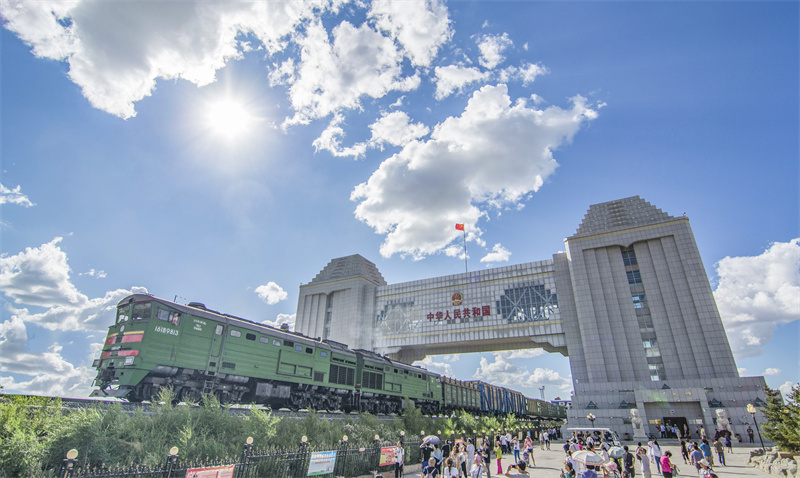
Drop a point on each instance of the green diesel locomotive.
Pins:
(155, 343)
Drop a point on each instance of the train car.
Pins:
(383, 384)
(458, 395)
(156, 343)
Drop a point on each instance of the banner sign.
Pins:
(389, 456)
(211, 472)
(322, 463)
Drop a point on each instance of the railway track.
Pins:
(130, 407)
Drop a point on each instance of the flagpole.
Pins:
(466, 269)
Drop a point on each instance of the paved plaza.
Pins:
(550, 462)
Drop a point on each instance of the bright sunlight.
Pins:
(228, 118)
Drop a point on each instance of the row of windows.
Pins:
(277, 343)
(651, 350)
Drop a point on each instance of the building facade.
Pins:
(629, 303)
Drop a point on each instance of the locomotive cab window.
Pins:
(142, 310)
(123, 314)
(173, 318)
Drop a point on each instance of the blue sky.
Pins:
(224, 152)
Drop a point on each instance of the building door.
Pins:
(675, 422)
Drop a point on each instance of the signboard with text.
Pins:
(321, 463)
(211, 472)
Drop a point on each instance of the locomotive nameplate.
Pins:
(198, 324)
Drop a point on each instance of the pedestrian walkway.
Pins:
(550, 462)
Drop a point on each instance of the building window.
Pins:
(628, 257)
(638, 301)
(634, 278)
(656, 371)
(645, 324)
(651, 348)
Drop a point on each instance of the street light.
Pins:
(591, 418)
(752, 411)
(68, 464)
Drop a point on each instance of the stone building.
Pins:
(629, 303)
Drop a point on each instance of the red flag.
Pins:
(459, 227)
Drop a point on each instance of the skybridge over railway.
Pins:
(629, 303)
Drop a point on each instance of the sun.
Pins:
(228, 118)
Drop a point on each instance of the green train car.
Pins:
(156, 343)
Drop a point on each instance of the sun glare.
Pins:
(228, 118)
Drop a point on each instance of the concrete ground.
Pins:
(550, 462)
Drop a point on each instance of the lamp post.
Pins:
(752, 411)
(591, 418)
(172, 459)
(68, 464)
(402, 437)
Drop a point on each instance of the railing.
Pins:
(348, 461)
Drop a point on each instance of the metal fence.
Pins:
(350, 461)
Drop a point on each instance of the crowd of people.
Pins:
(463, 459)
(642, 458)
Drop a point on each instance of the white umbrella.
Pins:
(588, 458)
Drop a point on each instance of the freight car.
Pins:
(155, 343)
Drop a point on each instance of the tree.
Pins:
(782, 420)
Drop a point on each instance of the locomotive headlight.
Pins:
(128, 360)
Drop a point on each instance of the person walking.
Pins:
(720, 448)
(529, 448)
(666, 465)
(706, 449)
(450, 469)
(655, 453)
(399, 457)
(628, 461)
(478, 469)
(728, 443)
(470, 452)
(499, 452)
(644, 461)
(430, 470)
(750, 434)
(515, 445)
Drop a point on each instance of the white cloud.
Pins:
(288, 319)
(117, 50)
(39, 277)
(498, 254)
(504, 372)
(421, 27)
(494, 154)
(526, 73)
(52, 374)
(334, 76)
(773, 371)
(743, 372)
(786, 389)
(330, 140)
(14, 196)
(492, 48)
(271, 293)
(452, 78)
(393, 128)
(396, 129)
(442, 368)
(94, 273)
(755, 294)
